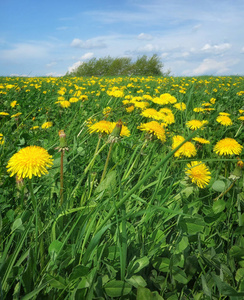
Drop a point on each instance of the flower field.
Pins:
(122, 188)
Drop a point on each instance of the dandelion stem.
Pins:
(106, 163)
(62, 178)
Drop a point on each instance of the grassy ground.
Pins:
(123, 217)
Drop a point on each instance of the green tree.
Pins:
(109, 66)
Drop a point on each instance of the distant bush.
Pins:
(109, 66)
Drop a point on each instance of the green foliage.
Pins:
(122, 66)
(143, 232)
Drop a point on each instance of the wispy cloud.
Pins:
(145, 36)
(25, 51)
(87, 55)
(88, 44)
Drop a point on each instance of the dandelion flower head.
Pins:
(199, 173)
(155, 129)
(224, 120)
(188, 149)
(100, 127)
(47, 125)
(195, 124)
(201, 140)
(180, 106)
(29, 161)
(228, 146)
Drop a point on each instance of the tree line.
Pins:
(122, 66)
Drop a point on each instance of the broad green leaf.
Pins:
(145, 294)
(17, 225)
(109, 182)
(183, 244)
(218, 186)
(224, 288)
(137, 281)
(117, 288)
(57, 282)
(205, 287)
(161, 264)
(78, 272)
(237, 252)
(179, 275)
(218, 206)
(54, 248)
(239, 274)
(140, 264)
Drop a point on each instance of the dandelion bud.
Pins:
(62, 140)
(117, 129)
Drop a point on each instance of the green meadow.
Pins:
(122, 188)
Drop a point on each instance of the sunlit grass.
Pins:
(144, 199)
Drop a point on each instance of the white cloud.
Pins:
(88, 44)
(87, 55)
(25, 51)
(75, 65)
(145, 36)
(211, 67)
(216, 48)
(164, 55)
(148, 48)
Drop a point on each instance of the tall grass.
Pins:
(132, 226)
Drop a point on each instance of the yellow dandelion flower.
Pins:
(188, 149)
(107, 111)
(2, 113)
(205, 104)
(224, 114)
(100, 127)
(152, 113)
(34, 127)
(154, 129)
(241, 118)
(125, 102)
(195, 124)
(130, 108)
(201, 140)
(141, 105)
(241, 111)
(64, 104)
(198, 109)
(47, 125)
(212, 100)
(1, 139)
(83, 97)
(13, 103)
(199, 173)
(73, 100)
(61, 98)
(180, 106)
(168, 116)
(224, 120)
(29, 161)
(164, 99)
(16, 115)
(228, 146)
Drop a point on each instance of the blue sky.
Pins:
(49, 38)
